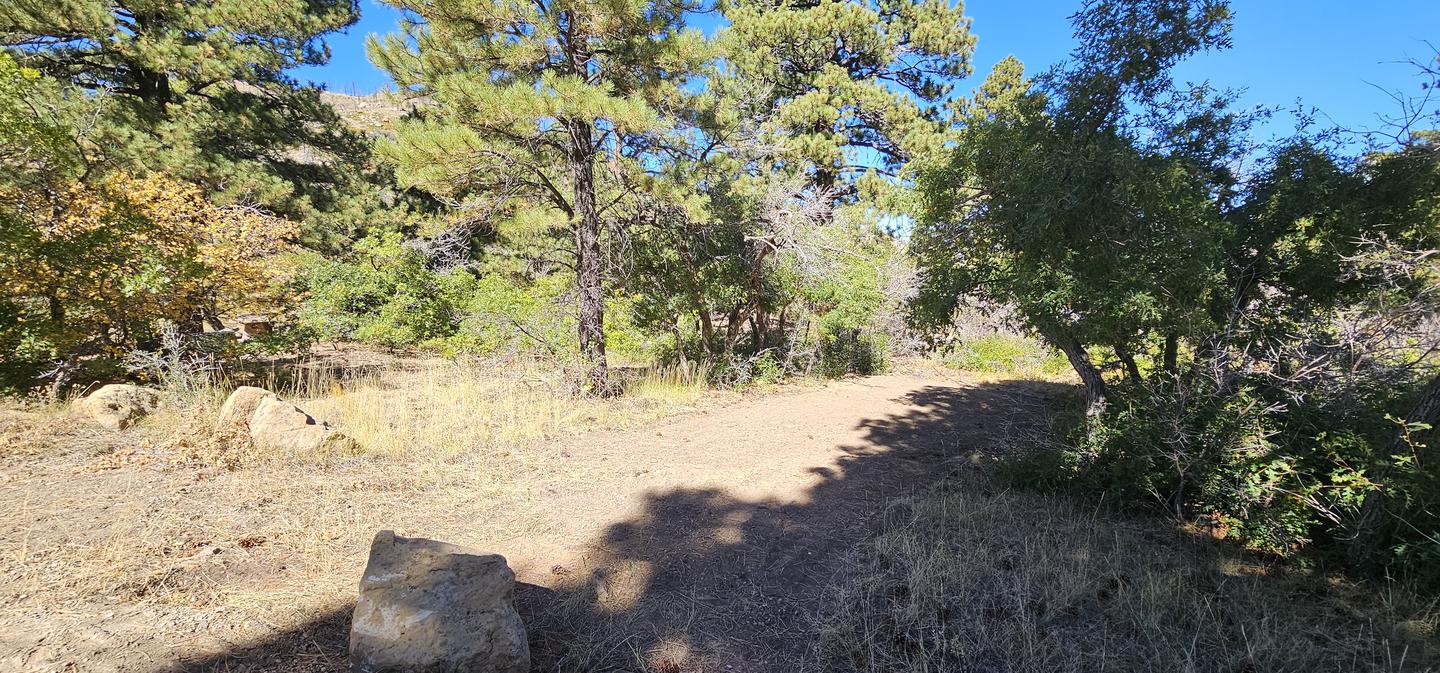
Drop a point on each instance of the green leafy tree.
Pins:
(1089, 201)
(529, 99)
(1099, 201)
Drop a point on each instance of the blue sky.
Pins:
(1329, 54)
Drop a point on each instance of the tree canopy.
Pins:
(526, 100)
(849, 88)
(200, 91)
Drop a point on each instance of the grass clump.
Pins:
(449, 408)
(426, 408)
(1022, 582)
(1007, 354)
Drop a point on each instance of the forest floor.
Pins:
(705, 537)
(708, 540)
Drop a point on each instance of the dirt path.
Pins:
(707, 544)
(723, 538)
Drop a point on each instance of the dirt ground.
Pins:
(702, 542)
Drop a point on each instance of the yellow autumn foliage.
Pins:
(97, 264)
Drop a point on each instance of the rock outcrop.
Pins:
(117, 406)
(433, 607)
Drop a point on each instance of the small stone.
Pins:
(433, 607)
(117, 406)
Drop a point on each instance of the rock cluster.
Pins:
(272, 424)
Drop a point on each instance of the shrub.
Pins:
(89, 269)
(501, 313)
(1005, 354)
(382, 295)
(1274, 476)
(850, 350)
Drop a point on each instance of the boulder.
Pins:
(241, 405)
(117, 406)
(279, 426)
(432, 607)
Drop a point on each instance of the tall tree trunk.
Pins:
(732, 329)
(1132, 369)
(707, 328)
(1372, 523)
(1172, 349)
(588, 279)
(1096, 392)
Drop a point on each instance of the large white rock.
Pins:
(235, 413)
(279, 426)
(433, 607)
(117, 406)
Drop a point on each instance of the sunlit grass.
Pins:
(1006, 354)
(450, 408)
(435, 437)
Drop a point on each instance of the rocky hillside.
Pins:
(376, 113)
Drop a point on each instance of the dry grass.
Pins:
(1019, 582)
(434, 410)
(204, 532)
(455, 408)
(165, 525)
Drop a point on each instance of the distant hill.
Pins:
(376, 113)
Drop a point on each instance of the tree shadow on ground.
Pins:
(703, 580)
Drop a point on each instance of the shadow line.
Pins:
(703, 580)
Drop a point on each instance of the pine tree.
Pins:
(526, 98)
(856, 86)
(197, 89)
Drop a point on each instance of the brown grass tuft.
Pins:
(1020, 582)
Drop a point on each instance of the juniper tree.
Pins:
(198, 89)
(854, 86)
(527, 98)
(1092, 199)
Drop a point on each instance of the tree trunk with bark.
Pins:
(1096, 391)
(1372, 523)
(588, 278)
(1132, 368)
(707, 328)
(1172, 349)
